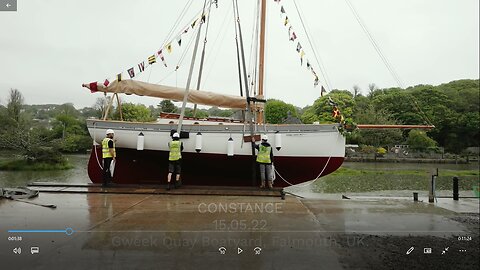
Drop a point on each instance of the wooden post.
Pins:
(119, 107)
(108, 108)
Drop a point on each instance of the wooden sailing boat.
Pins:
(216, 152)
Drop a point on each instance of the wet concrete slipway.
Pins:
(148, 228)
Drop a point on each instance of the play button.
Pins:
(239, 250)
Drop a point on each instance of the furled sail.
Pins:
(169, 92)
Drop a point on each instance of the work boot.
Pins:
(270, 185)
(178, 184)
(262, 185)
(168, 186)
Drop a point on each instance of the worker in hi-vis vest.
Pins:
(174, 160)
(108, 154)
(265, 161)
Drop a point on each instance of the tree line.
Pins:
(43, 132)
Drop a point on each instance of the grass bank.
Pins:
(23, 165)
(354, 180)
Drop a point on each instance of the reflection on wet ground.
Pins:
(125, 229)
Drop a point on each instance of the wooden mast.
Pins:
(261, 66)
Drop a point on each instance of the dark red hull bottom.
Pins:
(151, 167)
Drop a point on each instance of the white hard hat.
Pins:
(175, 135)
(265, 137)
(109, 131)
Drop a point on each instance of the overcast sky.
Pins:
(48, 48)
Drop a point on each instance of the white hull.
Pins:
(296, 140)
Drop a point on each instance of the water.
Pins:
(384, 166)
(21, 178)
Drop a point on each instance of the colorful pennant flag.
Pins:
(179, 41)
(106, 82)
(299, 47)
(119, 77)
(169, 47)
(293, 36)
(93, 87)
(151, 59)
(308, 64)
(131, 72)
(193, 23)
(323, 91)
(286, 21)
(160, 54)
(141, 66)
(302, 53)
(203, 18)
(282, 10)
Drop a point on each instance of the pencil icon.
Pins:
(410, 250)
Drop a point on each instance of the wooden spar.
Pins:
(368, 126)
(261, 65)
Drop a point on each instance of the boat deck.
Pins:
(53, 187)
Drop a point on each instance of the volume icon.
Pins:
(17, 251)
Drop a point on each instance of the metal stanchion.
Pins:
(455, 188)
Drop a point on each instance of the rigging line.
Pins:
(220, 37)
(319, 60)
(375, 45)
(190, 73)
(202, 58)
(252, 67)
(175, 25)
(385, 60)
(170, 33)
(184, 53)
(235, 16)
(249, 112)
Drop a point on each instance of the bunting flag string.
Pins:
(131, 72)
(141, 66)
(152, 59)
(299, 47)
(293, 37)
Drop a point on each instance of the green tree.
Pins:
(15, 104)
(167, 106)
(215, 111)
(276, 111)
(419, 140)
(321, 110)
(134, 113)
(376, 137)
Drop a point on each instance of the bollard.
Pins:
(431, 188)
(455, 188)
(415, 196)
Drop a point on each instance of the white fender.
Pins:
(198, 142)
(278, 140)
(140, 141)
(230, 147)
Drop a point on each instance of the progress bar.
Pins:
(67, 231)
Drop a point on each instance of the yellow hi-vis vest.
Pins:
(105, 149)
(175, 151)
(264, 154)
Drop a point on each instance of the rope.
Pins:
(324, 167)
(375, 45)
(320, 64)
(95, 147)
(220, 37)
